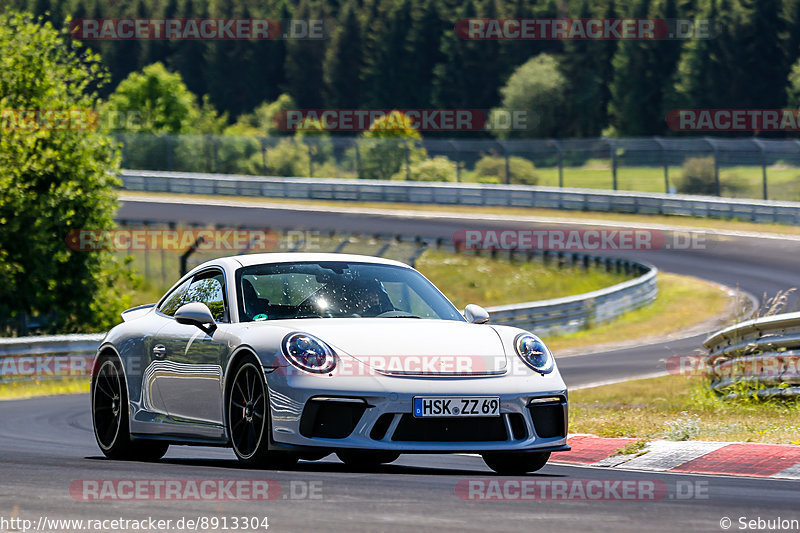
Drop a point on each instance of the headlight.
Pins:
(308, 353)
(533, 351)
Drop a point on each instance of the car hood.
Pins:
(412, 346)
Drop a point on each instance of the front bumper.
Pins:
(375, 413)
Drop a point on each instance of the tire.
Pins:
(366, 460)
(110, 420)
(248, 419)
(516, 463)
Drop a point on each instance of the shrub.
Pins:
(288, 158)
(697, 177)
(437, 169)
(492, 168)
(386, 145)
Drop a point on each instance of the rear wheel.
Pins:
(110, 416)
(368, 460)
(516, 463)
(248, 419)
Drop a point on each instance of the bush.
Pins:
(437, 169)
(697, 177)
(288, 158)
(492, 169)
(386, 145)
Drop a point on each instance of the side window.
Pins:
(176, 299)
(209, 288)
(206, 287)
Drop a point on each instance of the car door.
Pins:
(187, 360)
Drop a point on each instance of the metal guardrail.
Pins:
(761, 354)
(47, 357)
(465, 194)
(573, 313)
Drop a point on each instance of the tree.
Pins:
(303, 65)
(587, 68)
(161, 100)
(54, 181)
(537, 87)
(387, 81)
(633, 92)
(344, 61)
(388, 145)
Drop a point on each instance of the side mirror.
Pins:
(476, 314)
(196, 314)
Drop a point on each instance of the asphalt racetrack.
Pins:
(48, 450)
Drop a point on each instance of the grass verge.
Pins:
(680, 408)
(668, 315)
(473, 279)
(18, 390)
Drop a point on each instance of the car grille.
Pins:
(549, 419)
(450, 429)
(330, 419)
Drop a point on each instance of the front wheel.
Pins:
(110, 416)
(516, 463)
(248, 419)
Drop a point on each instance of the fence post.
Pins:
(763, 157)
(358, 158)
(508, 164)
(408, 160)
(310, 161)
(717, 185)
(560, 162)
(168, 146)
(458, 160)
(665, 163)
(263, 141)
(613, 152)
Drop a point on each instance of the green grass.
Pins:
(667, 315)
(481, 280)
(679, 408)
(783, 183)
(17, 390)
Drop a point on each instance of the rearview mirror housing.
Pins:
(195, 314)
(476, 314)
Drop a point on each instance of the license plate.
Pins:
(460, 406)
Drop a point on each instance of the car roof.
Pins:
(293, 257)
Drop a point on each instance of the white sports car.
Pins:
(294, 356)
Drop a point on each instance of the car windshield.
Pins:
(337, 289)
